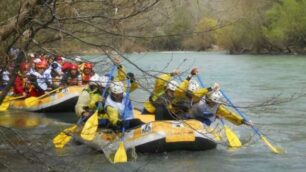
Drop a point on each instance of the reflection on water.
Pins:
(22, 120)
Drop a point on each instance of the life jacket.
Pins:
(92, 104)
(202, 111)
(154, 97)
(42, 80)
(86, 78)
(20, 85)
(39, 83)
(120, 106)
(91, 95)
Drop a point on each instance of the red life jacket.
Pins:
(19, 85)
(85, 78)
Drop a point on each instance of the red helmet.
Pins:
(42, 64)
(59, 59)
(24, 66)
(74, 67)
(66, 66)
(88, 65)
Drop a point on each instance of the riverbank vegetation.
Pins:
(238, 26)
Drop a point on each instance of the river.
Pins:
(270, 88)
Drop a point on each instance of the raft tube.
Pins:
(62, 101)
(158, 136)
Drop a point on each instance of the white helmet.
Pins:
(94, 80)
(193, 85)
(103, 80)
(117, 87)
(31, 55)
(172, 85)
(216, 97)
(37, 60)
(78, 59)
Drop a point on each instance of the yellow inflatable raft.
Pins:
(61, 101)
(157, 136)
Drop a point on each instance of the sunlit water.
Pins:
(249, 81)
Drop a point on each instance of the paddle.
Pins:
(6, 103)
(63, 138)
(120, 155)
(90, 128)
(231, 136)
(33, 101)
(263, 138)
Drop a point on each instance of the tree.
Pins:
(286, 26)
(203, 38)
(50, 25)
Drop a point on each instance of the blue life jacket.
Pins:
(204, 112)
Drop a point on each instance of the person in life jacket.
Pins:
(40, 79)
(72, 76)
(210, 107)
(188, 93)
(120, 113)
(86, 104)
(55, 69)
(99, 101)
(162, 87)
(87, 72)
(163, 104)
(21, 82)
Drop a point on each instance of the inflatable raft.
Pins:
(157, 136)
(63, 100)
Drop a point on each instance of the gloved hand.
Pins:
(194, 71)
(86, 114)
(131, 76)
(117, 60)
(175, 72)
(119, 123)
(248, 123)
(216, 87)
(100, 106)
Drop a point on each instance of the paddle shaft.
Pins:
(48, 93)
(15, 98)
(126, 102)
(109, 79)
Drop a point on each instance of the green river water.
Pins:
(273, 89)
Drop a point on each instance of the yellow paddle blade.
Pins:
(31, 101)
(232, 138)
(4, 106)
(120, 156)
(5, 103)
(90, 128)
(62, 138)
(273, 148)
